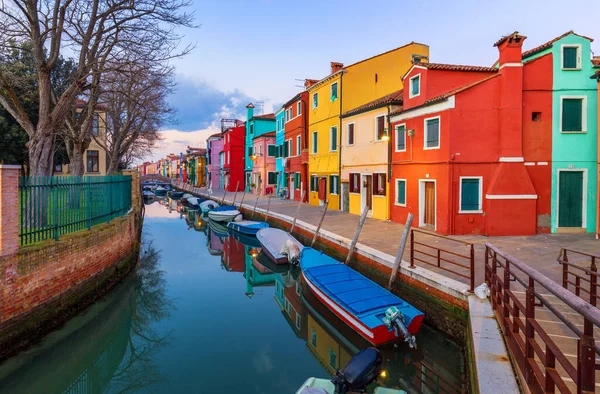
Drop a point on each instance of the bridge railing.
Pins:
(549, 330)
(577, 277)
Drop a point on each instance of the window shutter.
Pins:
(380, 127)
(401, 196)
(433, 133)
(334, 138)
(400, 138)
(415, 85)
(297, 180)
(331, 184)
(469, 195)
(249, 151)
(286, 151)
(375, 184)
(572, 115)
(570, 57)
(351, 134)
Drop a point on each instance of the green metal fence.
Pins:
(53, 206)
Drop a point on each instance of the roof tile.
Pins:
(548, 44)
(392, 98)
(266, 116)
(457, 67)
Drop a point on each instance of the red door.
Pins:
(322, 189)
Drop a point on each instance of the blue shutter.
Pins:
(570, 57)
(433, 133)
(469, 195)
(572, 114)
(415, 85)
(400, 138)
(401, 190)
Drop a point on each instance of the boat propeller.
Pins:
(394, 320)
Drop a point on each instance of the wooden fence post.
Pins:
(268, 208)
(398, 259)
(363, 217)
(297, 211)
(255, 203)
(235, 195)
(320, 223)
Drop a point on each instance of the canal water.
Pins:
(203, 313)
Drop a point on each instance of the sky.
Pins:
(262, 50)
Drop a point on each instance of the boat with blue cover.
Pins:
(245, 239)
(223, 214)
(372, 311)
(273, 241)
(247, 227)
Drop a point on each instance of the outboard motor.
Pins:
(363, 369)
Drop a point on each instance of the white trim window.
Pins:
(315, 100)
(334, 184)
(570, 56)
(415, 86)
(432, 132)
(333, 91)
(350, 134)
(298, 145)
(573, 114)
(380, 129)
(299, 108)
(400, 138)
(290, 151)
(333, 138)
(315, 142)
(400, 192)
(470, 194)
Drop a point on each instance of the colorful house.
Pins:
(596, 77)
(289, 300)
(214, 147)
(264, 173)
(574, 117)
(365, 158)
(450, 184)
(296, 139)
(280, 117)
(195, 165)
(255, 127)
(345, 89)
(233, 150)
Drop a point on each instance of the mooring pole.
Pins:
(224, 194)
(268, 208)
(235, 195)
(320, 223)
(243, 195)
(355, 239)
(255, 203)
(297, 211)
(403, 240)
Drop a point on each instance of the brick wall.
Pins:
(9, 209)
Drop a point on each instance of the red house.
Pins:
(234, 135)
(459, 146)
(296, 136)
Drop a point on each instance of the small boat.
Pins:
(193, 203)
(218, 229)
(148, 194)
(175, 195)
(220, 214)
(273, 242)
(184, 199)
(375, 313)
(160, 191)
(362, 370)
(208, 205)
(266, 261)
(247, 227)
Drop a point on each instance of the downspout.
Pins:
(389, 163)
(339, 137)
(304, 167)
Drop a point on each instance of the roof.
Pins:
(295, 98)
(445, 96)
(390, 99)
(269, 134)
(513, 35)
(549, 44)
(456, 67)
(266, 116)
(216, 135)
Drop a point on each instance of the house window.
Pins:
(332, 358)
(95, 124)
(573, 114)
(298, 145)
(470, 194)
(290, 148)
(298, 322)
(260, 150)
(271, 150)
(313, 338)
(333, 138)
(249, 152)
(571, 57)
(350, 138)
(288, 307)
(380, 127)
(58, 168)
(334, 91)
(536, 116)
(315, 101)
(400, 138)
(379, 184)
(286, 149)
(315, 141)
(401, 192)
(314, 183)
(92, 161)
(291, 114)
(432, 133)
(297, 180)
(299, 107)
(334, 184)
(251, 128)
(271, 178)
(415, 86)
(354, 183)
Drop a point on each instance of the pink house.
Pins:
(264, 174)
(214, 148)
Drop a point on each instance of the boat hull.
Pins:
(272, 241)
(247, 227)
(223, 216)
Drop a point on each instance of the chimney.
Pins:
(510, 109)
(309, 82)
(249, 111)
(335, 67)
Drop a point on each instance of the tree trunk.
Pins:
(113, 165)
(41, 149)
(76, 165)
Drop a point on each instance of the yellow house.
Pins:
(325, 348)
(345, 89)
(365, 141)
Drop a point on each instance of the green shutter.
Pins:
(271, 150)
(249, 151)
(572, 114)
(415, 85)
(286, 150)
(333, 138)
(400, 138)
(315, 147)
(570, 199)
(401, 190)
(469, 195)
(297, 180)
(570, 57)
(433, 133)
(272, 178)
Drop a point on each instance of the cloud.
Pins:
(176, 141)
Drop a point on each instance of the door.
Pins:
(429, 208)
(570, 199)
(291, 183)
(322, 189)
(367, 192)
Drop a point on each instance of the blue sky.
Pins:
(255, 50)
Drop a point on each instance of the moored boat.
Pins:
(220, 214)
(160, 191)
(193, 203)
(175, 195)
(245, 239)
(372, 311)
(219, 229)
(273, 241)
(208, 205)
(247, 227)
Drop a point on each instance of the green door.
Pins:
(570, 199)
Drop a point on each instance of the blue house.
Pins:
(279, 139)
(255, 127)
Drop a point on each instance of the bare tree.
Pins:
(96, 32)
(134, 99)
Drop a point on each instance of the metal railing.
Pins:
(53, 206)
(542, 329)
(576, 274)
(449, 260)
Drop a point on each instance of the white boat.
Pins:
(208, 205)
(223, 215)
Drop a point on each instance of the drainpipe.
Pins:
(304, 167)
(339, 137)
(389, 162)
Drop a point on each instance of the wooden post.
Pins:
(255, 203)
(363, 217)
(224, 194)
(243, 195)
(235, 195)
(320, 223)
(297, 211)
(403, 240)
(268, 208)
